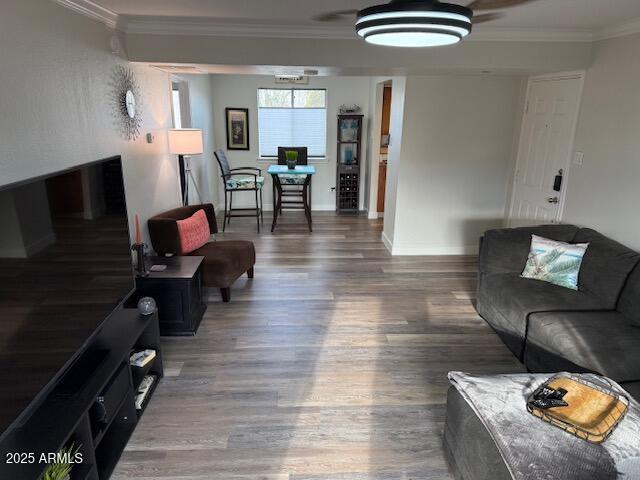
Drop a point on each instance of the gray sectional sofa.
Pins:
(551, 328)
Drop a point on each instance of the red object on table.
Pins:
(138, 234)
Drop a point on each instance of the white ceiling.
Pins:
(589, 15)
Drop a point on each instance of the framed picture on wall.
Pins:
(237, 128)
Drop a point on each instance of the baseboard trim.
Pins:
(387, 243)
(427, 250)
(269, 208)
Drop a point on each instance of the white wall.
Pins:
(394, 158)
(241, 91)
(455, 156)
(56, 105)
(205, 168)
(355, 57)
(604, 192)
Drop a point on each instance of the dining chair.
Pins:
(242, 179)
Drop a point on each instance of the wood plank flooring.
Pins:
(330, 365)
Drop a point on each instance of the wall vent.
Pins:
(179, 68)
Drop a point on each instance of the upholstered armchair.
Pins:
(224, 261)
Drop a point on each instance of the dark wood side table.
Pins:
(177, 292)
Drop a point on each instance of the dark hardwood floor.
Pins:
(330, 365)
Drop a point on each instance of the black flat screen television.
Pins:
(65, 265)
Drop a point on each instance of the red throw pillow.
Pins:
(194, 232)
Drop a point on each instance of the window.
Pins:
(175, 99)
(292, 118)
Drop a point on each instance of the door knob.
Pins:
(553, 200)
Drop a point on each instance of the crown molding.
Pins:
(166, 26)
(621, 30)
(197, 27)
(554, 35)
(91, 10)
(205, 27)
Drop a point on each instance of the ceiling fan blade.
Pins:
(486, 17)
(334, 16)
(496, 4)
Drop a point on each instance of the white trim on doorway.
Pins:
(374, 148)
(571, 75)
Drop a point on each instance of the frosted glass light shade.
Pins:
(412, 23)
(185, 141)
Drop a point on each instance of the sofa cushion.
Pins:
(600, 342)
(194, 232)
(292, 179)
(506, 250)
(555, 262)
(605, 267)
(506, 300)
(163, 228)
(629, 304)
(225, 261)
(245, 183)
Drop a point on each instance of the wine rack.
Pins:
(348, 163)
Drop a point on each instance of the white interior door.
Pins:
(546, 144)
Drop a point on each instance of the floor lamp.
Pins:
(185, 142)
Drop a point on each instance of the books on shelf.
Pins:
(144, 390)
(142, 357)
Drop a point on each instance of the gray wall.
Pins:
(56, 105)
(454, 163)
(394, 158)
(604, 192)
(205, 168)
(355, 57)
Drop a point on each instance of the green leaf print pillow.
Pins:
(555, 262)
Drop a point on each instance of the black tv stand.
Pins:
(92, 405)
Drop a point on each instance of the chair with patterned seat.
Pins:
(243, 179)
(293, 180)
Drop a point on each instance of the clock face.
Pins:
(130, 102)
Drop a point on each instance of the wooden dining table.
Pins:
(275, 171)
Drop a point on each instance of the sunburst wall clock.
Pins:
(127, 102)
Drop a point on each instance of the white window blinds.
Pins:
(292, 118)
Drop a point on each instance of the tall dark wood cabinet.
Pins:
(348, 163)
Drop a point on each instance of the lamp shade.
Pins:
(185, 141)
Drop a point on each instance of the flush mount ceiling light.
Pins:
(421, 23)
(414, 23)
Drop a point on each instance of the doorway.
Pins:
(545, 149)
(380, 148)
(180, 103)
